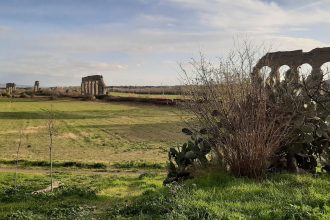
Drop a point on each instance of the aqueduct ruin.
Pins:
(294, 59)
(93, 86)
(10, 88)
(36, 86)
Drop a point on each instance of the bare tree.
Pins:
(51, 134)
(21, 132)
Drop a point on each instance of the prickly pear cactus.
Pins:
(194, 151)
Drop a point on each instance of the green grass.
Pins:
(219, 196)
(213, 196)
(89, 132)
(82, 196)
(129, 143)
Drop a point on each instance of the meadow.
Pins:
(211, 196)
(110, 159)
(89, 131)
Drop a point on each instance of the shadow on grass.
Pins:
(26, 163)
(44, 115)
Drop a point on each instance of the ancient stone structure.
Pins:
(10, 88)
(294, 59)
(36, 86)
(93, 86)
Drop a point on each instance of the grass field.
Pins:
(110, 159)
(89, 131)
(215, 196)
(82, 196)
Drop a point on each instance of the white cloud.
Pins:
(155, 19)
(151, 46)
(55, 66)
(285, 43)
(257, 16)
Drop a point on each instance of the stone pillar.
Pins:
(92, 88)
(36, 86)
(97, 88)
(85, 88)
(82, 88)
(293, 73)
(317, 72)
(101, 90)
(89, 87)
(277, 74)
(274, 75)
(316, 68)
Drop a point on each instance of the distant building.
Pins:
(36, 86)
(93, 86)
(10, 88)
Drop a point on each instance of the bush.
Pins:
(5, 94)
(242, 124)
(24, 95)
(255, 123)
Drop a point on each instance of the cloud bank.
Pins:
(141, 42)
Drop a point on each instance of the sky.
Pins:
(142, 42)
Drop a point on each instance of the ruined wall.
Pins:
(10, 88)
(36, 86)
(294, 59)
(93, 86)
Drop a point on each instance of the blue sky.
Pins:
(141, 42)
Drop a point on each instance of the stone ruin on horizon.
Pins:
(93, 86)
(36, 86)
(294, 60)
(10, 88)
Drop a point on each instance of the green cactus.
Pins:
(193, 151)
(310, 132)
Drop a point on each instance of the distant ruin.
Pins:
(10, 88)
(93, 86)
(294, 59)
(36, 86)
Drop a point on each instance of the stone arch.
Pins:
(325, 69)
(305, 70)
(282, 71)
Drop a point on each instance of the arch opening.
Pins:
(304, 70)
(325, 69)
(282, 70)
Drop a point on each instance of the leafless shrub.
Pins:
(51, 133)
(21, 132)
(246, 128)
